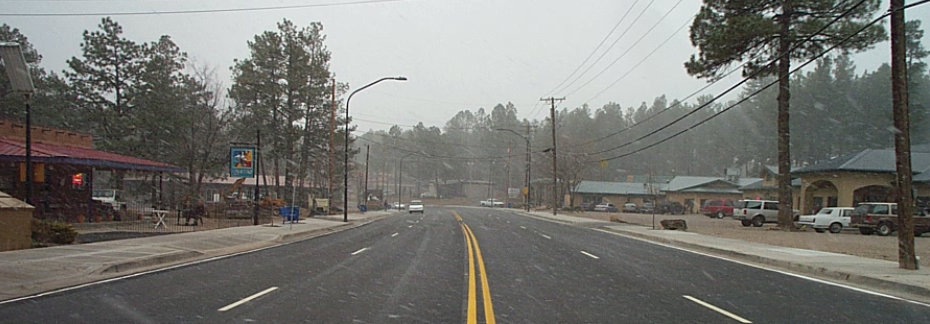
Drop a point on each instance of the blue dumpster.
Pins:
(289, 213)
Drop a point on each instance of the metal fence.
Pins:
(137, 220)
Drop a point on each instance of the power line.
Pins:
(176, 12)
(754, 93)
(667, 39)
(596, 48)
(641, 13)
(678, 103)
(667, 13)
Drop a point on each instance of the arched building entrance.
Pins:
(819, 194)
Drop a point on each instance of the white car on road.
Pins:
(492, 203)
(832, 218)
(416, 206)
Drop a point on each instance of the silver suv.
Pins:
(757, 212)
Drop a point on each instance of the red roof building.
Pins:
(63, 166)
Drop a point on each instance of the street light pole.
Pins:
(21, 82)
(400, 178)
(345, 171)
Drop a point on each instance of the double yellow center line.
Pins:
(474, 253)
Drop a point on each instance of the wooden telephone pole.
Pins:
(555, 177)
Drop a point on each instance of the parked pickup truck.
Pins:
(882, 218)
(757, 212)
(109, 197)
(492, 203)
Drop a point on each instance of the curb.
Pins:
(836, 275)
(292, 237)
(148, 261)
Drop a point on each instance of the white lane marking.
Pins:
(395, 234)
(523, 227)
(545, 236)
(410, 226)
(143, 273)
(590, 255)
(717, 309)
(247, 299)
(359, 251)
(757, 266)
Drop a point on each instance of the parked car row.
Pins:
(665, 207)
(871, 217)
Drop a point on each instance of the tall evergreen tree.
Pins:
(769, 35)
(105, 81)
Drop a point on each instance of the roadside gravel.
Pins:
(847, 242)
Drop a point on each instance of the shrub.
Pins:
(52, 232)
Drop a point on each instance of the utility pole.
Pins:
(555, 177)
(367, 153)
(529, 166)
(332, 141)
(902, 140)
(256, 162)
(507, 170)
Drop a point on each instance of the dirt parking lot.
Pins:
(847, 242)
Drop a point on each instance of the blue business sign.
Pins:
(242, 162)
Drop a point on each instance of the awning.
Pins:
(15, 150)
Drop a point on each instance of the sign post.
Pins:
(242, 161)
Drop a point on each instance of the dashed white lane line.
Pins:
(359, 251)
(523, 227)
(546, 236)
(247, 299)
(590, 255)
(395, 234)
(717, 309)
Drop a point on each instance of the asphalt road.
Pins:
(465, 265)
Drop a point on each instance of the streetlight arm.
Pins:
(399, 78)
(345, 174)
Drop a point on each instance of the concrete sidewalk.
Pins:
(878, 275)
(32, 271)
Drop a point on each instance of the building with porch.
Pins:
(692, 192)
(864, 176)
(767, 187)
(618, 193)
(64, 163)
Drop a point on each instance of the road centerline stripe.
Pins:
(590, 255)
(545, 236)
(717, 309)
(360, 251)
(485, 286)
(395, 234)
(247, 299)
(472, 314)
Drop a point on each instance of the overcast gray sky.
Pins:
(457, 54)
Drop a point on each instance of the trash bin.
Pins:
(289, 213)
(363, 208)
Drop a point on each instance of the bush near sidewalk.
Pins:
(46, 232)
